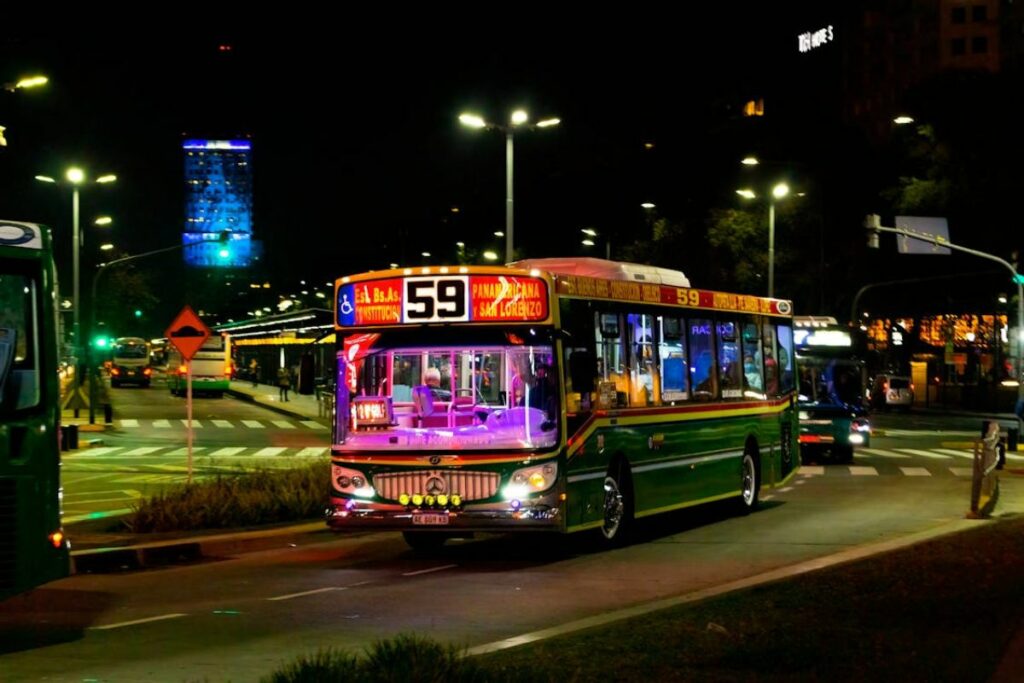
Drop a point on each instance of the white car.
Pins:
(891, 391)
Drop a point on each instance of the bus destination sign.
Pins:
(621, 290)
(442, 298)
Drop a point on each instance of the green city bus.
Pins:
(553, 395)
(33, 549)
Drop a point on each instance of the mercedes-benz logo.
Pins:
(435, 485)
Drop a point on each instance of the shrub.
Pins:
(245, 499)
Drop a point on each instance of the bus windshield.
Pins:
(457, 396)
(831, 381)
(130, 350)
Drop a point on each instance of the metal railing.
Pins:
(985, 479)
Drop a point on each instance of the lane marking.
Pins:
(162, 424)
(305, 593)
(143, 450)
(223, 423)
(926, 454)
(253, 424)
(883, 452)
(311, 452)
(962, 471)
(162, 617)
(270, 451)
(812, 470)
(283, 424)
(432, 569)
(960, 454)
(195, 423)
(102, 450)
(915, 471)
(184, 451)
(313, 425)
(231, 450)
(129, 423)
(863, 471)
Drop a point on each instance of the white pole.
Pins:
(509, 247)
(188, 409)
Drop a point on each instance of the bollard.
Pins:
(1012, 436)
(72, 432)
(108, 413)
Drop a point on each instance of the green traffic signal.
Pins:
(100, 342)
(1018, 279)
(138, 313)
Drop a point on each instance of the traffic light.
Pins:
(101, 341)
(138, 313)
(224, 252)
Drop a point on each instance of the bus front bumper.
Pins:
(543, 513)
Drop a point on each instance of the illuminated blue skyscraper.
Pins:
(218, 198)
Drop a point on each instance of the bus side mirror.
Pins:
(582, 371)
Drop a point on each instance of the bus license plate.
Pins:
(430, 519)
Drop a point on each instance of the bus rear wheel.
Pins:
(750, 483)
(618, 505)
(424, 541)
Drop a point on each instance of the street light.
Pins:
(588, 241)
(518, 120)
(76, 177)
(779, 191)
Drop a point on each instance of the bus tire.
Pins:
(424, 541)
(617, 522)
(750, 481)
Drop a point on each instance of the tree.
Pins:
(122, 291)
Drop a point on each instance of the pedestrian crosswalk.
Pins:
(202, 451)
(131, 423)
(873, 462)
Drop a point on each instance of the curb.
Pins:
(182, 550)
(272, 406)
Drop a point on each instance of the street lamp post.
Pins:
(76, 177)
(518, 120)
(778, 192)
(588, 241)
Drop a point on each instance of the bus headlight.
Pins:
(529, 480)
(352, 482)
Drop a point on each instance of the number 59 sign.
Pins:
(436, 299)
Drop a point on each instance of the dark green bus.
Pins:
(553, 395)
(33, 549)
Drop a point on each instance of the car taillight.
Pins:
(147, 371)
(885, 387)
(227, 370)
(911, 386)
(182, 370)
(115, 372)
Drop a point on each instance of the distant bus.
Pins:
(553, 395)
(211, 368)
(33, 549)
(830, 391)
(130, 362)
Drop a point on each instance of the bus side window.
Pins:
(672, 354)
(641, 359)
(702, 351)
(753, 374)
(771, 366)
(730, 364)
(613, 387)
(785, 357)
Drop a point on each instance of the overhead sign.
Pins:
(188, 333)
(932, 230)
(810, 40)
(442, 299)
(13, 234)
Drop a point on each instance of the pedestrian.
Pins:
(254, 371)
(284, 381)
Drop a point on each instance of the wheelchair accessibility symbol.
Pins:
(345, 306)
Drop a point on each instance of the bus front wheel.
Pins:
(618, 504)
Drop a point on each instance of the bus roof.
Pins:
(606, 270)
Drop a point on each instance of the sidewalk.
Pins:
(302, 406)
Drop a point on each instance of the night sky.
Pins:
(358, 155)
